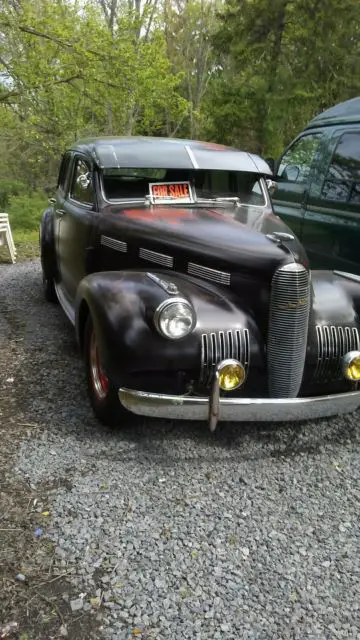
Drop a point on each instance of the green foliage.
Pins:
(249, 73)
(284, 61)
(25, 211)
(10, 188)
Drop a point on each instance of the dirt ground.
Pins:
(34, 594)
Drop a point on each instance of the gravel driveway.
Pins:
(164, 531)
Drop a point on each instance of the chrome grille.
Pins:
(288, 330)
(332, 344)
(220, 345)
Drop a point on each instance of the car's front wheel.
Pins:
(103, 394)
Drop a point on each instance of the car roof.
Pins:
(168, 153)
(348, 111)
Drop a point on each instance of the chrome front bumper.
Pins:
(237, 409)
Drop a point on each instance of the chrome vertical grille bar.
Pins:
(220, 345)
(288, 330)
(332, 344)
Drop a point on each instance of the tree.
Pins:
(189, 26)
(280, 62)
(66, 75)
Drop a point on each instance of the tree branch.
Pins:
(14, 94)
(46, 36)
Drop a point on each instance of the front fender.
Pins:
(336, 299)
(47, 244)
(334, 328)
(122, 306)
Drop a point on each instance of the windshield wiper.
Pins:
(234, 199)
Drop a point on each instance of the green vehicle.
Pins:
(317, 190)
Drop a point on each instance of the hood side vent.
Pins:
(214, 275)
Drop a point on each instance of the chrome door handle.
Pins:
(60, 212)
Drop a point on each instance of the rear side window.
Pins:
(64, 167)
(342, 181)
(296, 163)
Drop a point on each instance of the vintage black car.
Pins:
(190, 298)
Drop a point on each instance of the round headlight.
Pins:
(231, 375)
(175, 318)
(351, 366)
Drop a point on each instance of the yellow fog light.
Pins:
(351, 366)
(231, 375)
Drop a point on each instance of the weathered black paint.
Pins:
(114, 286)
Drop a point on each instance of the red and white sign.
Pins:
(165, 192)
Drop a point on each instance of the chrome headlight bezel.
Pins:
(163, 306)
(347, 361)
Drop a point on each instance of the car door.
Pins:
(331, 231)
(75, 216)
(293, 177)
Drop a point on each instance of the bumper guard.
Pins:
(215, 408)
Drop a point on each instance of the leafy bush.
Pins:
(25, 211)
(10, 188)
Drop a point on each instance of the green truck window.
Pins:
(296, 163)
(342, 181)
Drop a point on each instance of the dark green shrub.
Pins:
(25, 211)
(10, 188)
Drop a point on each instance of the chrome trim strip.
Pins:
(64, 303)
(222, 277)
(112, 243)
(348, 276)
(154, 256)
(157, 405)
(169, 287)
(191, 156)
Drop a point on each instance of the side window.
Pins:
(342, 181)
(296, 163)
(63, 171)
(81, 187)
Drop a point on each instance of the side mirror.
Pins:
(83, 181)
(291, 172)
(271, 163)
(271, 185)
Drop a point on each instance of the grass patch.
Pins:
(25, 213)
(27, 246)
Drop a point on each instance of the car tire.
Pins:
(49, 290)
(102, 393)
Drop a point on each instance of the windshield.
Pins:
(182, 185)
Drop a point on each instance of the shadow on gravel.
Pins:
(45, 410)
(51, 389)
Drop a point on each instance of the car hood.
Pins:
(237, 238)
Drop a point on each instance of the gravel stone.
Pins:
(76, 605)
(250, 533)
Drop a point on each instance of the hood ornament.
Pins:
(280, 236)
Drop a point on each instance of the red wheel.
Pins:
(99, 378)
(102, 393)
